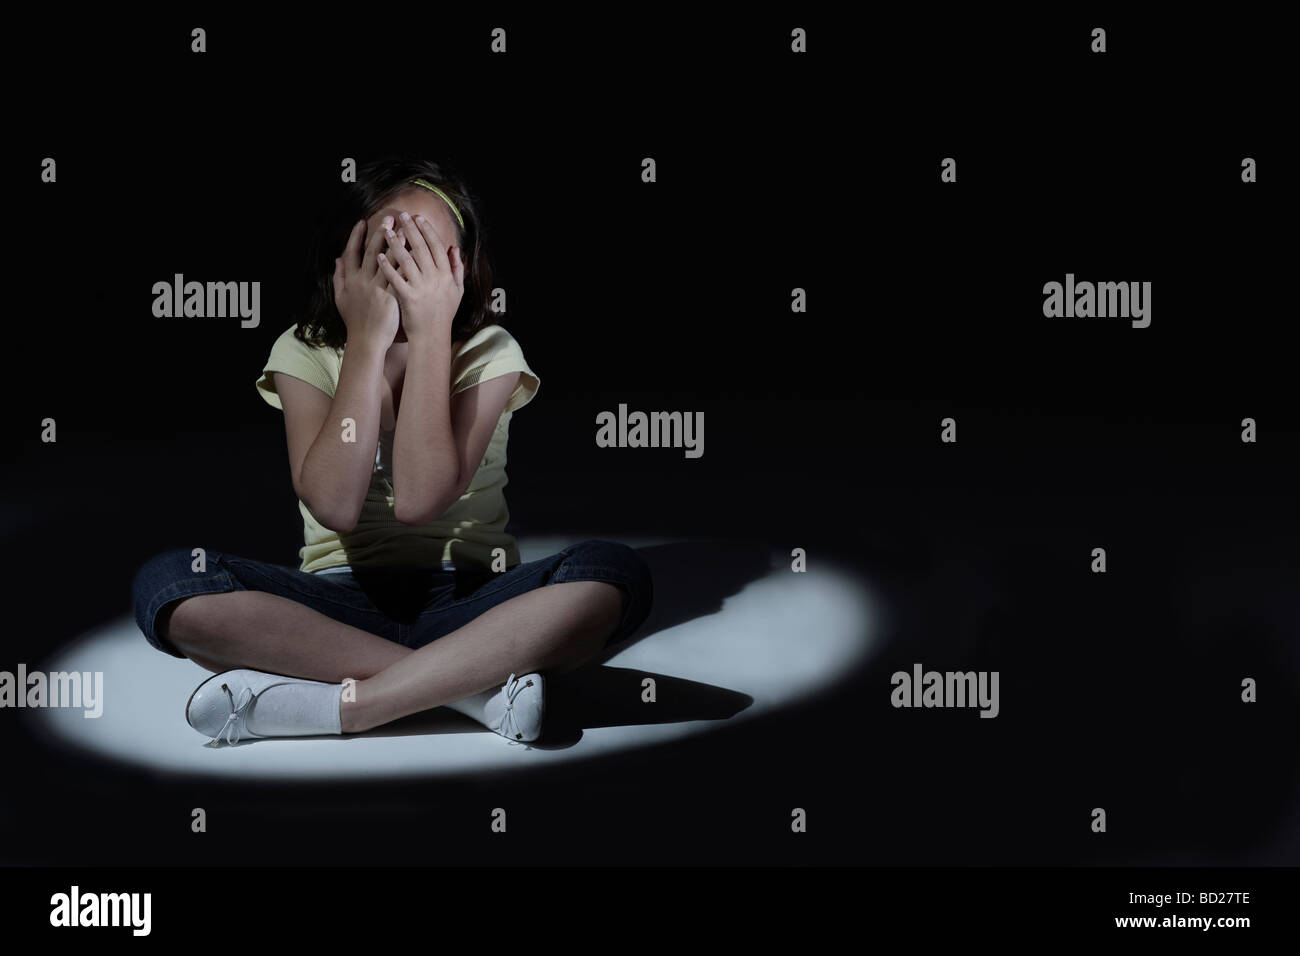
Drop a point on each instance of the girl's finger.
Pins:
(419, 246)
(352, 251)
(458, 268)
(338, 278)
(392, 275)
(373, 244)
(401, 258)
(434, 240)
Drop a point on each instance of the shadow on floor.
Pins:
(692, 579)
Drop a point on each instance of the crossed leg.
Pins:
(554, 628)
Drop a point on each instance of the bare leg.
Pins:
(553, 628)
(267, 632)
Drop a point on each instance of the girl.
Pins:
(397, 387)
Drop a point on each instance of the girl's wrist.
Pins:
(436, 332)
(366, 348)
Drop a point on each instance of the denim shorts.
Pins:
(408, 605)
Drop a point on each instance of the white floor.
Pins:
(781, 638)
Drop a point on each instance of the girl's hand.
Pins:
(427, 280)
(365, 302)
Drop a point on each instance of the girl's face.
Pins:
(415, 201)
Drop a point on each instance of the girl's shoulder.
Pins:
(491, 334)
(489, 352)
(491, 343)
(290, 355)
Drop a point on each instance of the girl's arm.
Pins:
(425, 466)
(330, 475)
(440, 440)
(331, 465)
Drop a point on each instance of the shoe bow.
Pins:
(512, 689)
(238, 715)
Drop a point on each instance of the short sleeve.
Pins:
(490, 352)
(295, 357)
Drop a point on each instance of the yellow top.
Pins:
(473, 526)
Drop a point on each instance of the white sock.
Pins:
(296, 708)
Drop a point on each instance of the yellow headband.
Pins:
(428, 185)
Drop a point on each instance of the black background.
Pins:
(924, 301)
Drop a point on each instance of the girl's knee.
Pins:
(158, 585)
(612, 555)
(610, 601)
(157, 573)
(619, 564)
(182, 616)
(162, 569)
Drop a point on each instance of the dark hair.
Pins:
(377, 181)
